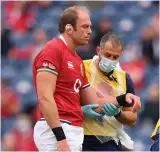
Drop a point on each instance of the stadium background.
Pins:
(27, 26)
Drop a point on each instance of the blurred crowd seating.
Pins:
(27, 26)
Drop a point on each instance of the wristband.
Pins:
(121, 99)
(59, 133)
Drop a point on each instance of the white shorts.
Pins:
(46, 141)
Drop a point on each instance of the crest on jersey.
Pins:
(70, 65)
(82, 69)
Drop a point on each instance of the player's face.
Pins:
(83, 31)
(111, 51)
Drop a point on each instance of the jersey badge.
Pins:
(70, 65)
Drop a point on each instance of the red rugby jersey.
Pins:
(58, 59)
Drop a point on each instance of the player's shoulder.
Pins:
(53, 47)
(54, 43)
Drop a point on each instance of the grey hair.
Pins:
(110, 36)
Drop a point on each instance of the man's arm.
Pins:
(46, 83)
(89, 96)
(127, 116)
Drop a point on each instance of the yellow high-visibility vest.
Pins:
(103, 86)
(155, 130)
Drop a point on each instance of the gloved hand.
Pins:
(90, 113)
(110, 109)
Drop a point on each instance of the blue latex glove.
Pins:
(110, 109)
(90, 113)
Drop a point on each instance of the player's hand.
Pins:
(110, 109)
(130, 98)
(90, 113)
(63, 146)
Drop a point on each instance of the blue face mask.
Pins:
(107, 65)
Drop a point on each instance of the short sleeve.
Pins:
(85, 83)
(130, 87)
(50, 60)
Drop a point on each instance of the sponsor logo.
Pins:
(77, 85)
(49, 65)
(45, 64)
(70, 65)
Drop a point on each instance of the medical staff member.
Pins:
(105, 75)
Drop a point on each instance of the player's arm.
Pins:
(89, 109)
(46, 83)
(127, 116)
(91, 103)
(89, 96)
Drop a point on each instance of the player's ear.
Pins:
(69, 28)
(98, 50)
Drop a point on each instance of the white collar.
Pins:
(62, 38)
